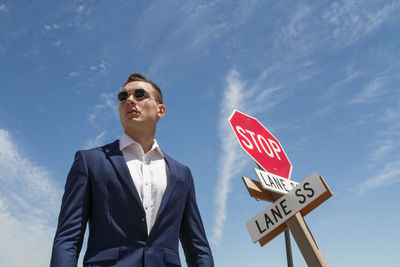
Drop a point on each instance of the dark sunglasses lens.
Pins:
(139, 93)
(123, 95)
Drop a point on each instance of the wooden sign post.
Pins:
(287, 211)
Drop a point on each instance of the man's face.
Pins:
(140, 114)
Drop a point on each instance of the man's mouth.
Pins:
(132, 111)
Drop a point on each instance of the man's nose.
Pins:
(131, 100)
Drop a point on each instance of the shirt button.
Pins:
(143, 219)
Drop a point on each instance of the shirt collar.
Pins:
(126, 141)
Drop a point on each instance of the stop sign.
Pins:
(260, 144)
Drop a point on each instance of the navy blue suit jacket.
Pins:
(99, 190)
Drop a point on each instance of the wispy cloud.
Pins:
(101, 67)
(265, 94)
(392, 117)
(50, 31)
(41, 109)
(300, 37)
(375, 19)
(310, 30)
(57, 43)
(80, 8)
(193, 30)
(386, 146)
(92, 71)
(96, 141)
(349, 75)
(53, 27)
(105, 110)
(196, 23)
(3, 7)
(29, 202)
(230, 162)
(80, 18)
(351, 20)
(73, 74)
(370, 92)
(297, 26)
(205, 24)
(383, 150)
(385, 153)
(390, 174)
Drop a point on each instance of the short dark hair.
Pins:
(140, 77)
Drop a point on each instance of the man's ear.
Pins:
(161, 111)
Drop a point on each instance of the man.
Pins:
(137, 199)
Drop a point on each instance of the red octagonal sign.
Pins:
(260, 144)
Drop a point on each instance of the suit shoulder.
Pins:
(101, 150)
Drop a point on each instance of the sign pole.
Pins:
(288, 249)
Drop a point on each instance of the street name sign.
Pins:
(259, 193)
(286, 206)
(274, 183)
(260, 144)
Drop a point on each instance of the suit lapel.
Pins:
(170, 185)
(118, 161)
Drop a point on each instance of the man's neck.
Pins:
(146, 141)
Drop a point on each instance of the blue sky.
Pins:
(322, 76)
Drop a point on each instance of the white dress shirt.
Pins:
(149, 173)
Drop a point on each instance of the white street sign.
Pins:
(275, 183)
(285, 207)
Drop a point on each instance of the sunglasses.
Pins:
(138, 94)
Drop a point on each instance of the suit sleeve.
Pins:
(73, 216)
(192, 234)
